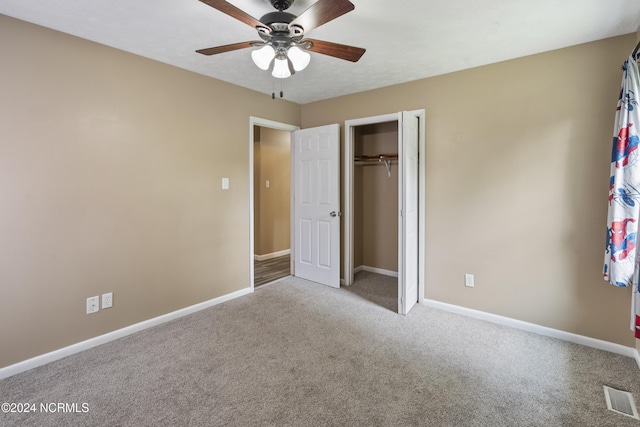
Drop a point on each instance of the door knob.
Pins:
(334, 213)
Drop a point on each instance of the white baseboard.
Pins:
(111, 336)
(375, 270)
(541, 330)
(271, 255)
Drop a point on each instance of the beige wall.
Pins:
(272, 231)
(376, 198)
(517, 169)
(110, 180)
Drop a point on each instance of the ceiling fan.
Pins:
(282, 35)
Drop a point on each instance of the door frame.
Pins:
(349, 129)
(257, 121)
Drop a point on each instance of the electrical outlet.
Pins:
(107, 300)
(93, 304)
(468, 280)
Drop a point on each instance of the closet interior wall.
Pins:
(375, 200)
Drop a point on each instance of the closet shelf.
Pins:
(385, 159)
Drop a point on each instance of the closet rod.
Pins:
(378, 158)
(381, 158)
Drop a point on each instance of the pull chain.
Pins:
(273, 90)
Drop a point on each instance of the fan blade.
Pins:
(322, 12)
(342, 51)
(226, 7)
(227, 48)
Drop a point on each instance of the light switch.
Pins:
(267, 184)
(225, 183)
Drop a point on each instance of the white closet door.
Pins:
(408, 204)
(317, 204)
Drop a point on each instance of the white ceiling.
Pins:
(405, 39)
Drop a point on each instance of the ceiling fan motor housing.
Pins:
(281, 34)
(277, 18)
(281, 4)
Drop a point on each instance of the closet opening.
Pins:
(375, 212)
(384, 205)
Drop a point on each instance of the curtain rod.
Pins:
(637, 48)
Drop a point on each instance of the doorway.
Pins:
(270, 189)
(401, 211)
(375, 213)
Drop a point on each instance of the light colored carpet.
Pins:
(301, 354)
(380, 290)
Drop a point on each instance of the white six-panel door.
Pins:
(317, 204)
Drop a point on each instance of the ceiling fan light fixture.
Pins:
(282, 35)
(263, 56)
(299, 58)
(281, 69)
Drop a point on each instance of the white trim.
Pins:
(383, 118)
(52, 356)
(257, 121)
(537, 329)
(375, 270)
(636, 356)
(271, 255)
(422, 204)
(292, 203)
